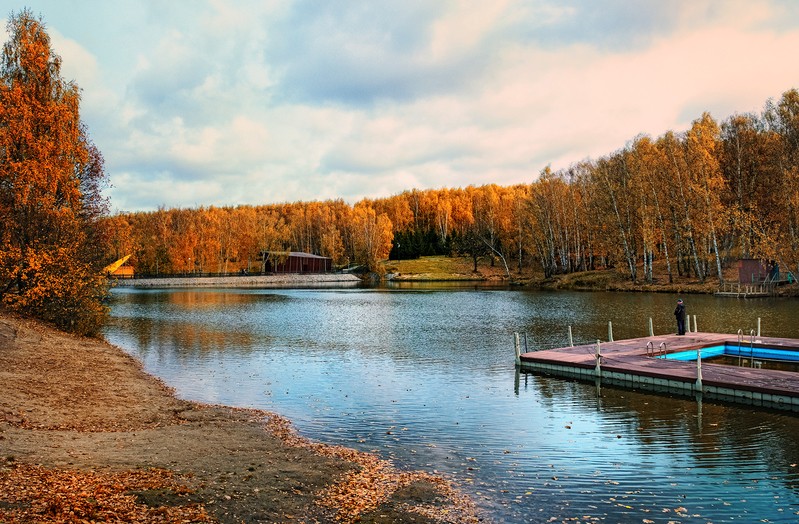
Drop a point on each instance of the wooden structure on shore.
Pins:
(739, 290)
(118, 269)
(756, 278)
(296, 262)
(638, 364)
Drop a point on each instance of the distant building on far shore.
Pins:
(754, 271)
(123, 272)
(118, 269)
(296, 262)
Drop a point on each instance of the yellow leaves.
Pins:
(374, 482)
(373, 234)
(37, 494)
(45, 160)
(53, 285)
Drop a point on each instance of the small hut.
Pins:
(123, 272)
(118, 269)
(754, 271)
(296, 262)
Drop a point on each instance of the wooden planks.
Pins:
(629, 362)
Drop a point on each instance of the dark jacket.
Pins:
(679, 312)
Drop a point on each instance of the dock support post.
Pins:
(651, 330)
(696, 329)
(758, 326)
(517, 347)
(699, 370)
(610, 331)
(598, 368)
(571, 340)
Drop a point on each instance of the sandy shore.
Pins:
(245, 281)
(87, 436)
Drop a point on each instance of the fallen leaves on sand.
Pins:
(375, 481)
(36, 494)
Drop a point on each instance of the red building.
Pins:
(753, 271)
(295, 262)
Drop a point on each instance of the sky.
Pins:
(211, 102)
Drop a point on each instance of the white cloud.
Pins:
(201, 103)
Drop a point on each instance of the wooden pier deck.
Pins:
(744, 290)
(630, 363)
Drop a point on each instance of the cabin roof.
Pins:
(296, 254)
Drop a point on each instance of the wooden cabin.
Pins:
(123, 272)
(296, 262)
(753, 271)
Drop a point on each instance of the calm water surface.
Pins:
(426, 377)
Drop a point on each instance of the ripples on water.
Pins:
(426, 378)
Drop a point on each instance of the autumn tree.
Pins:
(779, 230)
(372, 235)
(746, 173)
(653, 163)
(50, 181)
(554, 224)
(617, 186)
(706, 183)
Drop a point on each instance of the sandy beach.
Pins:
(87, 436)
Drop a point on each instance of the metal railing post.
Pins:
(598, 356)
(699, 369)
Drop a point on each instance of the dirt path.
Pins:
(86, 435)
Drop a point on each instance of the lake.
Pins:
(424, 375)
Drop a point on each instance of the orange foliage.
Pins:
(695, 200)
(50, 180)
(37, 494)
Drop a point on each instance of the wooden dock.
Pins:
(633, 363)
(739, 290)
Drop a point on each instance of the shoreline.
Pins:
(86, 433)
(243, 281)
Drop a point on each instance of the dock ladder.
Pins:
(661, 351)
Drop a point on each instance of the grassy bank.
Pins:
(443, 268)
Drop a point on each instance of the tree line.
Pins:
(690, 202)
(694, 201)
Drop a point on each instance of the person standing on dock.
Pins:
(679, 313)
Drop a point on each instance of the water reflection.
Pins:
(425, 376)
(723, 462)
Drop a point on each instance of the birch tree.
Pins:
(50, 180)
